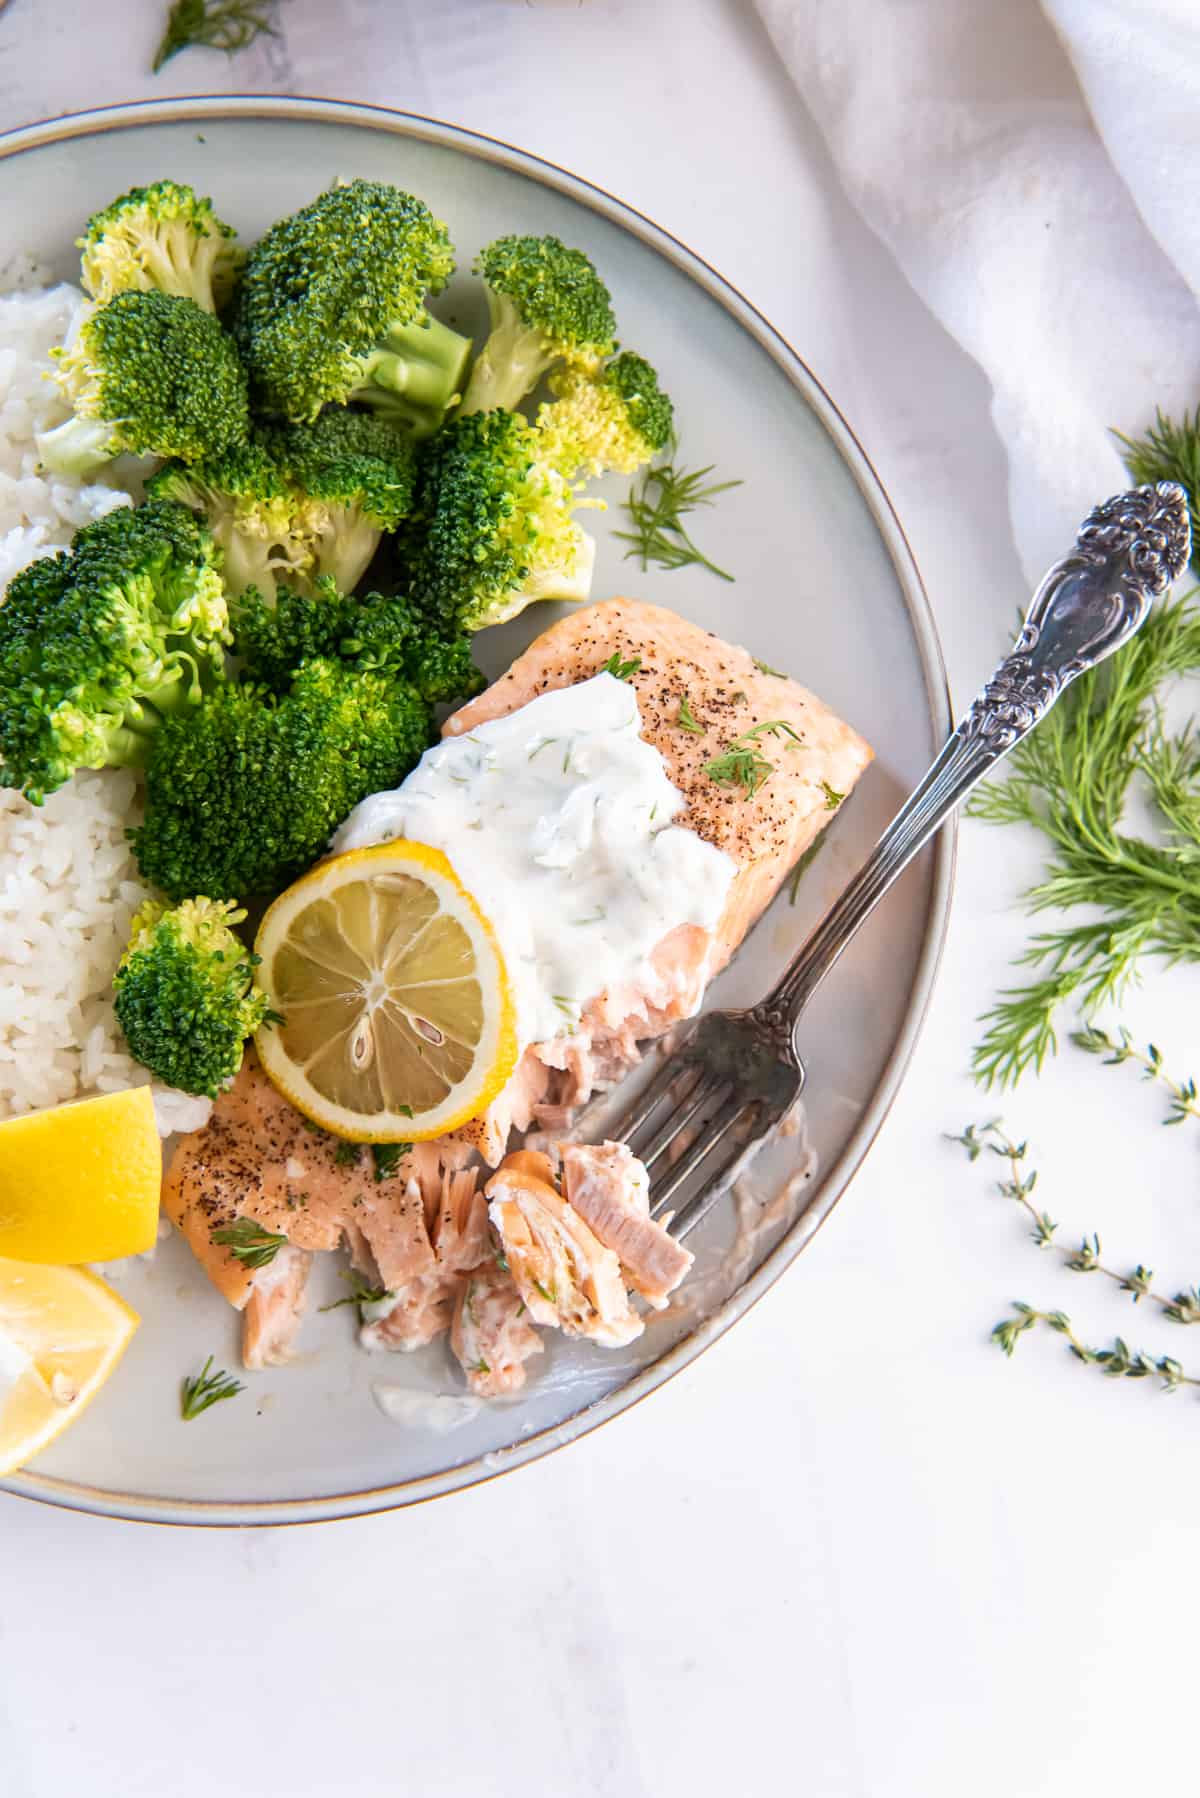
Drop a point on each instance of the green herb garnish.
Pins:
(766, 668)
(360, 1294)
(228, 25)
(1118, 1361)
(657, 506)
(1182, 1307)
(743, 765)
(347, 1154)
(387, 1156)
(1182, 1093)
(249, 1243)
(204, 1389)
(621, 670)
(832, 797)
(685, 719)
(798, 872)
(1071, 779)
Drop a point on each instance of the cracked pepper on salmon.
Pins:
(432, 1235)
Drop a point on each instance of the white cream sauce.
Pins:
(558, 820)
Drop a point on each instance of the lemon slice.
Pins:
(81, 1182)
(398, 1015)
(62, 1331)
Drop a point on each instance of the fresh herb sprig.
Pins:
(249, 1243)
(228, 25)
(360, 1294)
(387, 1157)
(685, 718)
(743, 763)
(1181, 1308)
(1119, 1361)
(1071, 779)
(657, 506)
(1182, 1100)
(206, 1388)
(621, 670)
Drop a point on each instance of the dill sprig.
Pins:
(618, 669)
(228, 25)
(1183, 1102)
(685, 718)
(1071, 779)
(1119, 1361)
(802, 866)
(657, 506)
(743, 763)
(1169, 452)
(360, 1294)
(249, 1243)
(206, 1388)
(1182, 1308)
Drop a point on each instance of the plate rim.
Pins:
(219, 1513)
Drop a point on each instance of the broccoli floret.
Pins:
(492, 526)
(618, 419)
(300, 503)
(265, 529)
(548, 306)
(99, 643)
(185, 994)
(245, 794)
(164, 239)
(150, 374)
(332, 308)
(380, 633)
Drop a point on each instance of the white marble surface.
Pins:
(851, 1553)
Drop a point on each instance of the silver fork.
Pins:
(733, 1075)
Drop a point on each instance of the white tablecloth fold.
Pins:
(1040, 197)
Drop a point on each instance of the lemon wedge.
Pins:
(62, 1331)
(81, 1182)
(398, 1015)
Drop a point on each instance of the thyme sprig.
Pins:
(206, 1388)
(657, 506)
(228, 25)
(1119, 1361)
(1071, 779)
(1182, 1307)
(1183, 1102)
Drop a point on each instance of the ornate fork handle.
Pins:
(1128, 551)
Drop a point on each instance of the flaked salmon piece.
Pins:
(457, 1219)
(565, 1275)
(491, 1335)
(765, 832)
(608, 1188)
(258, 1158)
(275, 1308)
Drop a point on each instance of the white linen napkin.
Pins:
(1061, 247)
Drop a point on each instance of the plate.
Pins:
(826, 588)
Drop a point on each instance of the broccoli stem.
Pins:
(422, 363)
(78, 447)
(511, 362)
(346, 553)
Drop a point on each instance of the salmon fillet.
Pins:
(457, 1220)
(765, 833)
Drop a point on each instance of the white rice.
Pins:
(68, 882)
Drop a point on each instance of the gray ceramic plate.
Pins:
(826, 589)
